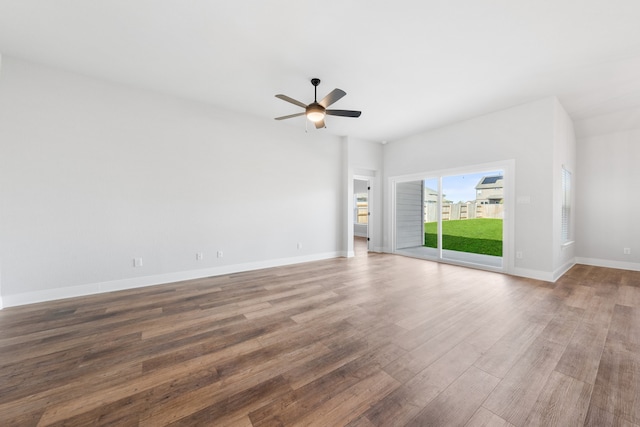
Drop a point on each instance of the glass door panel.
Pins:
(431, 203)
(472, 217)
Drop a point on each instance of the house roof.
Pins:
(490, 182)
(409, 65)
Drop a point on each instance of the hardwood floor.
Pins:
(376, 340)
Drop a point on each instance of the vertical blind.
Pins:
(566, 204)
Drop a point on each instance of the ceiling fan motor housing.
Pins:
(315, 112)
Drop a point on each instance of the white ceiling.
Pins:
(408, 65)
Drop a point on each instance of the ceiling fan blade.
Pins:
(290, 116)
(320, 124)
(332, 97)
(344, 113)
(291, 100)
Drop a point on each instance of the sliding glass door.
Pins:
(459, 217)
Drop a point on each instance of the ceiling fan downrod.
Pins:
(315, 82)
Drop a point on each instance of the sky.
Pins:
(460, 188)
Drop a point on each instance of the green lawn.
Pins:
(478, 236)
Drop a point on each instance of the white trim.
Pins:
(391, 208)
(477, 168)
(460, 263)
(563, 269)
(139, 282)
(521, 272)
(468, 258)
(533, 274)
(368, 176)
(621, 265)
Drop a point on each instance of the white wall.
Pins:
(1, 185)
(360, 230)
(607, 202)
(526, 134)
(360, 186)
(564, 155)
(93, 174)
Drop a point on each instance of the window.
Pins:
(566, 205)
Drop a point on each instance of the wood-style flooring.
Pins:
(375, 340)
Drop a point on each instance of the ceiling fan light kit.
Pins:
(316, 111)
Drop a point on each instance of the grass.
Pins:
(478, 236)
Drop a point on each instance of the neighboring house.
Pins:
(430, 195)
(430, 204)
(490, 190)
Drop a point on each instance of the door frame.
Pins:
(369, 180)
(508, 225)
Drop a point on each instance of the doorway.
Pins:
(456, 216)
(361, 211)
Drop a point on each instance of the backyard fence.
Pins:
(454, 211)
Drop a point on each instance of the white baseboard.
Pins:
(137, 282)
(546, 276)
(563, 269)
(621, 265)
(158, 279)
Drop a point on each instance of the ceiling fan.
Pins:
(316, 111)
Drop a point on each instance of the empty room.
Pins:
(345, 213)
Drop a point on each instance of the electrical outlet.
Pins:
(299, 245)
(137, 262)
(519, 255)
(220, 254)
(199, 256)
(627, 251)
